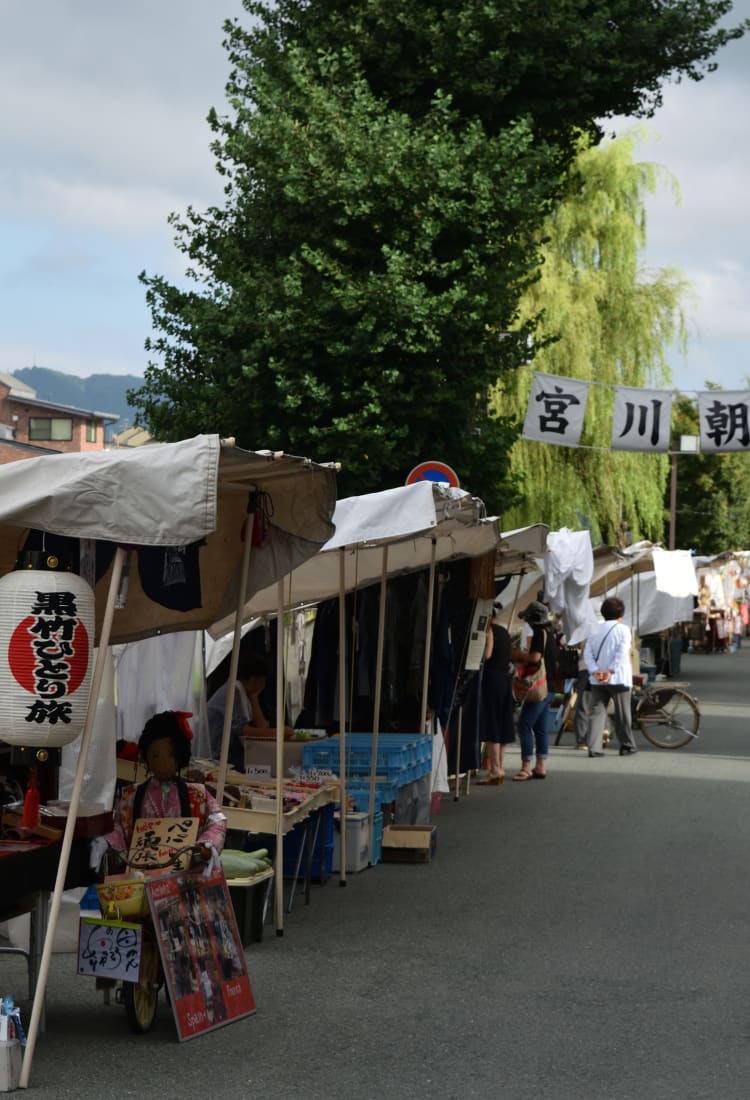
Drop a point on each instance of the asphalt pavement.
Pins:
(581, 938)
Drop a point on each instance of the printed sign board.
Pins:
(109, 949)
(203, 960)
(155, 839)
(478, 634)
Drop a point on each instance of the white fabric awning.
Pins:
(172, 494)
(406, 519)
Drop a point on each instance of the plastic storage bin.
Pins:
(358, 841)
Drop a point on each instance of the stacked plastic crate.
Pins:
(401, 759)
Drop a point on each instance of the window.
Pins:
(91, 431)
(51, 428)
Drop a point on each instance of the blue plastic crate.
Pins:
(400, 757)
(359, 793)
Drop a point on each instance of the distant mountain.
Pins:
(97, 393)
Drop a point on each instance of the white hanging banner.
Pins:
(555, 410)
(724, 417)
(641, 419)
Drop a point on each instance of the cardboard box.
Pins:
(261, 752)
(409, 843)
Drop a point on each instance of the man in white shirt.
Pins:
(607, 658)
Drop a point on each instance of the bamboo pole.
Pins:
(342, 710)
(280, 714)
(235, 659)
(378, 689)
(75, 798)
(428, 640)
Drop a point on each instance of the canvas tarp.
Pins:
(172, 494)
(407, 520)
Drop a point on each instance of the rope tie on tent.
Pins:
(260, 506)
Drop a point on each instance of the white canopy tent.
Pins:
(168, 495)
(382, 535)
(648, 609)
(407, 520)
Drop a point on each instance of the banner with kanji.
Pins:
(724, 420)
(555, 410)
(641, 419)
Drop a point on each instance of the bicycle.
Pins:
(126, 899)
(668, 716)
(664, 711)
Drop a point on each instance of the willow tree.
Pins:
(605, 319)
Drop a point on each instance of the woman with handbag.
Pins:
(607, 657)
(531, 686)
(496, 701)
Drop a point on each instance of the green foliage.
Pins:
(713, 493)
(387, 168)
(560, 63)
(613, 323)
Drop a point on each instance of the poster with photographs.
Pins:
(203, 960)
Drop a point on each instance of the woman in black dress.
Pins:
(496, 705)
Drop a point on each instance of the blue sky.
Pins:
(104, 135)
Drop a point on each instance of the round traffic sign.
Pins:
(433, 471)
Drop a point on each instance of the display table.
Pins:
(266, 822)
(27, 877)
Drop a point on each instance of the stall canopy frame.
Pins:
(170, 494)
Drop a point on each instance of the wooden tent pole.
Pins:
(342, 711)
(428, 640)
(378, 689)
(235, 659)
(280, 715)
(70, 824)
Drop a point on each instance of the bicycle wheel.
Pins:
(669, 718)
(141, 998)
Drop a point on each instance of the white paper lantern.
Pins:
(46, 654)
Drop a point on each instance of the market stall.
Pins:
(380, 536)
(166, 512)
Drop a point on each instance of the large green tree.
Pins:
(387, 168)
(713, 492)
(614, 323)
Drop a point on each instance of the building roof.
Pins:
(16, 386)
(132, 437)
(30, 398)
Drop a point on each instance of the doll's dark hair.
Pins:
(170, 724)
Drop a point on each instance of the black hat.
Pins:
(535, 613)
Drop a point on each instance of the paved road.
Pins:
(585, 938)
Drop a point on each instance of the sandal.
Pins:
(522, 776)
(538, 775)
(492, 780)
